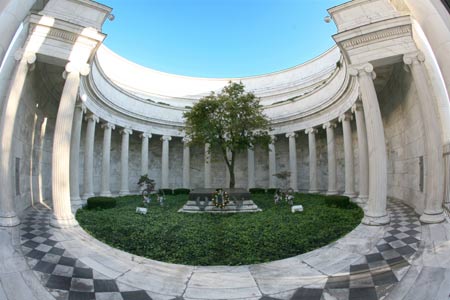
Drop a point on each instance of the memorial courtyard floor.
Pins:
(403, 260)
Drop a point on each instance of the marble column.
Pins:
(106, 158)
(165, 161)
(272, 163)
(375, 213)
(186, 163)
(144, 152)
(348, 154)
(311, 132)
(250, 168)
(227, 172)
(207, 166)
(89, 157)
(433, 160)
(124, 189)
(10, 107)
(62, 211)
(75, 157)
(363, 153)
(331, 152)
(292, 160)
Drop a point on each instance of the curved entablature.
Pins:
(292, 100)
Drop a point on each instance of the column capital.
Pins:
(416, 57)
(81, 106)
(186, 139)
(166, 138)
(30, 57)
(126, 130)
(362, 69)
(357, 106)
(330, 124)
(108, 125)
(347, 116)
(311, 130)
(291, 135)
(145, 135)
(82, 68)
(92, 117)
(273, 138)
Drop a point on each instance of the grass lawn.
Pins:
(219, 239)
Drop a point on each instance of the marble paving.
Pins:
(403, 260)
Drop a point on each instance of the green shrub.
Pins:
(257, 191)
(101, 202)
(271, 191)
(338, 201)
(166, 191)
(181, 191)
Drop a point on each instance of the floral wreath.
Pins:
(220, 198)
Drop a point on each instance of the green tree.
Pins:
(231, 120)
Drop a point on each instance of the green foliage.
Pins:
(166, 191)
(271, 191)
(181, 191)
(339, 201)
(257, 191)
(101, 202)
(231, 120)
(220, 239)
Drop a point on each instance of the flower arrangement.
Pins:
(220, 199)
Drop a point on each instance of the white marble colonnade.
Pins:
(75, 198)
(348, 154)
(331, 153)
(124, 189)
(145, 136)
(89, 157)
(186, 162)
(106, 158)
(292, 160)
(165, 161)
(363, 154)
(311, 132)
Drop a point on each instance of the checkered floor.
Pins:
(372, 277)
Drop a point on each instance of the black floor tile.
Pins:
(105, 285)
(46, 235)
(50, 242)
(135, 295)
(363, 294)
(30, 244)
(307, 294)
(29, 236)
(44, 267)
(57, 251)
(386, 277)
(36, 254)
(397, 262)
(81, 296)
(83, 273)
(412, 232)
(59, 282)
(390, 239)
(338, 282)
(374, 257)
(410, 240)
(405, 250)
(361, 268)
(384, 247)
(67, 261)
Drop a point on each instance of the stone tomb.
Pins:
(201, 200)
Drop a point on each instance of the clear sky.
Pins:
(219, 38)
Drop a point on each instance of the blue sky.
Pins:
(219, 38)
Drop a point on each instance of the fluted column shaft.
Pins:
(207, 166)
(250, 168)
(62, 211)
(186, 163)
(75, 156)
(348, 155)
(124, 190)
(272, 164)
(311, 132)
(331, 152)
(8, 215)
(292, 160)
(106, 158)
(362, 153)
(433, 162)
(165, 161)
(89, 157)
(375, 213)
(144, 153)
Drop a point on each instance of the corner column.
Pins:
(272, 163)
(186, 162)
(250, 168)
(311, 132)
(434, 162)
(89, 157)
(8, 215)
(348, 155)
(75, 156)
(144, 152)
(62, 212)
(331, 151)
(107, 127)
(124, 190)
(363, 153)
(292, 160)
(375, 213)
(165, 161)
(207, 166)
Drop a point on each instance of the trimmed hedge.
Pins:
(166, 191)
(338, 201)
(271, 191)
(101, 202)
(257, 191)
(181, 191)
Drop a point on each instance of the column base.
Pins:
(76, 201)
(105, 194)
(63, 222)
(313, 192)
(376, 221)
(124, 193)
(361, 199)
(9, 220)
(350, 195)
(329, 193)
(86, 196)
(432, 218)
(76, 207)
